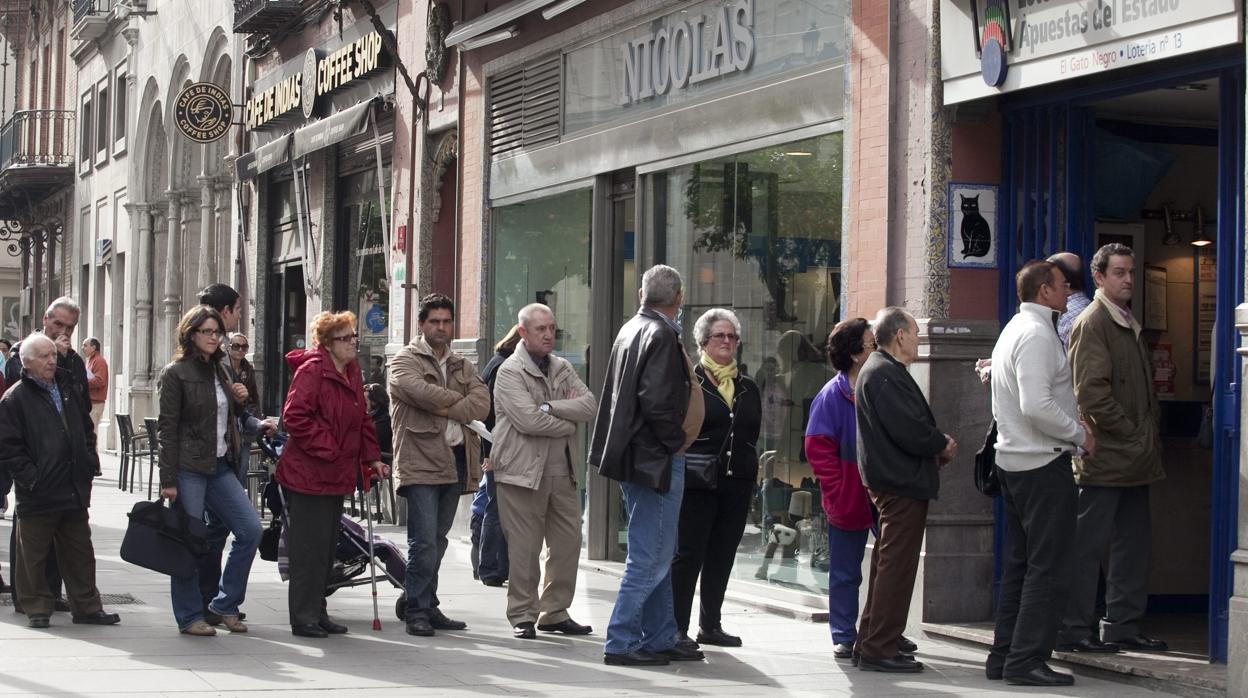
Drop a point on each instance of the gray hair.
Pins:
(702, 328)
(526, 313)
(64, 302)
(888, 322)
(32, 342)
(660, 285)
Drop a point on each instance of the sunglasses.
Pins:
(239, 347)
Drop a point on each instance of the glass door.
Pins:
(624, 237)
(361, 284)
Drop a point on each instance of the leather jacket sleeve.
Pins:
(662, 391)
(167, 426)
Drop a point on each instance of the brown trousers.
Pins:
(894, 566)
(70, 534)
(551, 513)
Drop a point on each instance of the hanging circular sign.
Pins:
(203, 112)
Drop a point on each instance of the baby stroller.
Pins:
(351, 561)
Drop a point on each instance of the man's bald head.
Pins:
(1071, 267)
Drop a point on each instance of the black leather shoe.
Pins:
(843, 650)
(38, 622)
(1142, 642)
(906, 646)
(492, 581)
(901, 664)
(682, 654)
(308, 631)
(637, 658)
(331, 627)
(439, 621)
(524, 631)
(420, 627)
(1041, 676)
(683, 640)
(717, 636)
(856, 658)
(98, 618)
(1090, 645)
(61, 605)
(566, 626)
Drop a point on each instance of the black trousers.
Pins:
(711, 524)
(52, 570)
(311, 539)
(65, 535)
(1041, 506)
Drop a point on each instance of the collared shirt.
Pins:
(454, 431)
(223, 416)
(54, 390)
(1075, 304)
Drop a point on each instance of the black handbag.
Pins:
(702, 469)
(986, 479)
(164, 539)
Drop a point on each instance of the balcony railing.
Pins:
(37, 138)
(86, 8)
(264, 16)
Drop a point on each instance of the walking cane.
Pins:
(372, 559)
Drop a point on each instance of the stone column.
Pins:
(207, 233)
(173, 272)
(222, 233)
(141, 233)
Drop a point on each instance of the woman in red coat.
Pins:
(332, 443)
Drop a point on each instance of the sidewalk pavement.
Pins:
(146, 656)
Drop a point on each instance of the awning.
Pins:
(500, 16)
(319, 134)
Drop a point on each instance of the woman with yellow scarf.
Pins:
(719, 491)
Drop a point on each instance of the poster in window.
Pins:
(972, 233)
(1206, 310)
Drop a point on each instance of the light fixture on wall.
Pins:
(1199, 238)
(487, 39)
(1172, 236)
(559, 8)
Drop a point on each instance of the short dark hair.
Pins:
(1074, 278)
(1031, 277)
(95, 343)
(218, 297)
(435, 301)
(7, 344)
(1100, 260)
(845, 340)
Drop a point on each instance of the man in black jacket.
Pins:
(651, 411)
(900, 452)
(47, 445)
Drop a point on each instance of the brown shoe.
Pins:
(233, 624)
(200, 629)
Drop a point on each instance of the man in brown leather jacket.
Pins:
(434, 394)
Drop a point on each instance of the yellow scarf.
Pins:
(724, 376)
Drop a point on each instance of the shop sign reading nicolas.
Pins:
(321, 74)
(203, 112)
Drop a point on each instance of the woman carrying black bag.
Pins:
(721, 468)
(199, 444)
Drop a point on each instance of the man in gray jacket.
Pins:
(539, 401)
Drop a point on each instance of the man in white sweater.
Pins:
(1038, 429)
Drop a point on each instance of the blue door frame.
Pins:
(1045, 176)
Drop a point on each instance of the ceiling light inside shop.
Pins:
(799, 153)
(560, 8)
(487, 39)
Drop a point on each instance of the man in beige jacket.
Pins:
(538, 403)
(433, 395)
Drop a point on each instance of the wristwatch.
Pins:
(544, 407)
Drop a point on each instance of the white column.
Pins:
(173, 273)
(223, 233)
(207, 234)
(141, 233)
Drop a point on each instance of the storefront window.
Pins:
(760, 233)
(541, 255)
(362, 285)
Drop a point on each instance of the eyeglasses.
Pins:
(209, 333)
(726, 336)
(347, 337)
(871, 345)
(239, 347)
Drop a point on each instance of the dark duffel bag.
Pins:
(986, 478)
(164, 539)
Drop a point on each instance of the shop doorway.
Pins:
(1155, 163)
(289, 300)
(360, 282)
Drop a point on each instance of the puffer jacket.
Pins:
(187, 425)
(332, 438)
(51, 457)
(1111, 365)
(416, 386)
(529, 443)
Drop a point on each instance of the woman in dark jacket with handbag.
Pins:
(332, 447)
(199, 446)
(720, 470)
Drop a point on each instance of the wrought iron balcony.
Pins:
(91, 18)
(36, 158)
(264, 16)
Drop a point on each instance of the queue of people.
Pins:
(1076, 451)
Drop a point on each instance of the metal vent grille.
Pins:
(526, 107)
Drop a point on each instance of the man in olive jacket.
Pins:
(539, 401)
(1111, 365)
(434, 394)
(900, 452)
(47, 445)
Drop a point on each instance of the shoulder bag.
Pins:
(986, 479)
(164, 539)
(702, 469)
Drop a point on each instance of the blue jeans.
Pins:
(494, 561)
(845, 553)
(224, 496)
(644, 617)
(430, 513)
